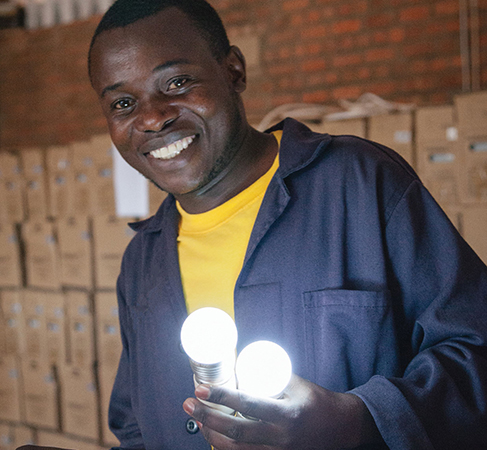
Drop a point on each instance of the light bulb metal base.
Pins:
(216, 373)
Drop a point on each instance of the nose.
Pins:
(154, 115)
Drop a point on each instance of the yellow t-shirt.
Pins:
(212, 245)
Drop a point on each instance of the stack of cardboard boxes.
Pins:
(60, 252)
(61, 246)
(447, 146)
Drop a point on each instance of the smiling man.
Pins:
(327, 245)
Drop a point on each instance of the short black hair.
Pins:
(200, 12)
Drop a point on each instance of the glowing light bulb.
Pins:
(209, 337)
(263, 369)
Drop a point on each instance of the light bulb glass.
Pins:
(208, 335)
(209, 338)
(263, 369)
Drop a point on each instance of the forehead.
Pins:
(167, 35)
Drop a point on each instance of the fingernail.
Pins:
(202, 392)
(188, 407)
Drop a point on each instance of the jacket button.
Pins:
(192, 426)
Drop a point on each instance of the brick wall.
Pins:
(316, 51)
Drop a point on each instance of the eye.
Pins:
(177, 83)
(123, 103)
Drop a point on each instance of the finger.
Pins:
(265, 409)
(217, 424)
(220, 441)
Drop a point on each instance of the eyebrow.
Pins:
(158, 68)
(171, 63)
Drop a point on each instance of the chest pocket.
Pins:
(349, 337)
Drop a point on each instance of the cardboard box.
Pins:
(80, 329)
(55, 327)
(439, 167)
(474, 229)
(108, 329)
(156, 197)
(454, 213)
(103, 194)
(11, 273)
(76, 251)
(394, 131)
(353, 127)
(60, 180)
(6, 437)
(106, 377)
(79, 402)
(436, 125)
(35, 324)
(10, 389)
(14, 321)
(12, 187)
(23, 435)
(473, 175)
(111, 236)
(40, 394)
(41, 255)
(471, 110)
(33, 164)
(84, 173)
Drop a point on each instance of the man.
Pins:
(329, 246)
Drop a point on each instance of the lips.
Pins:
(173, 149)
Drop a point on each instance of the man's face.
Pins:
(173, 110)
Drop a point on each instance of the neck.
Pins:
(253, 159)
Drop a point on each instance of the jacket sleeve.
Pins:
(121, 416)
(439, 288)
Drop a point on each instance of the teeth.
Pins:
(173, 149)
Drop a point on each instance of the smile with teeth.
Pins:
(173, 149)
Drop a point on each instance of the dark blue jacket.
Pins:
(354, 269)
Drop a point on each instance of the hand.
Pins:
(307, 416)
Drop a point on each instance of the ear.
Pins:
(235, 62)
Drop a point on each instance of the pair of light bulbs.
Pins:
(209, 338)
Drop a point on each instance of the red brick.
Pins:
(417, 49)
(355, 7)
(281, 36)
(383, 89)
(414, 13)
(285, 52)
(315, 31)
(397, 35)
(347, 60)
(281, 69)
(447, 7)
(316, 97)
(297, 20)
(379, 54)
(347, 26)
(314, 65)
(314, 16)
(382, 71)
(380, 20)
(439, 64)
(331, 77)
(347, 92)
(292, 5)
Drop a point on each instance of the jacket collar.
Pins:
(299, 147)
